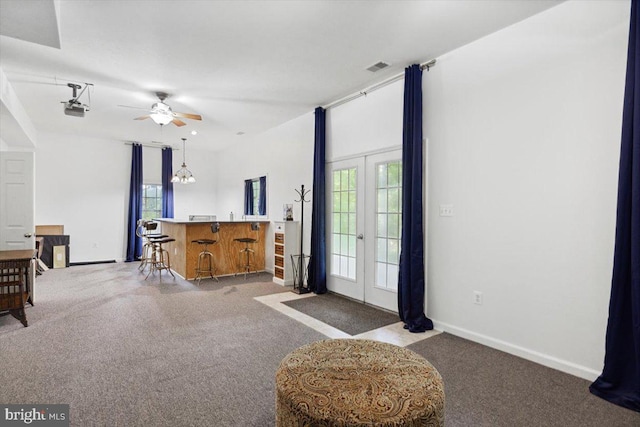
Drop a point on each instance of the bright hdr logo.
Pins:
(36, 415)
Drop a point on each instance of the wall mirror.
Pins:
(255, 196)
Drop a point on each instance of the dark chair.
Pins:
(205, 258)
(247, 253)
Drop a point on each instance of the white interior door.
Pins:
(17, 228)
(345, 260)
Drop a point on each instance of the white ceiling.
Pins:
(245, 66)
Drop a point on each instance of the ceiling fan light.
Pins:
(161, 118)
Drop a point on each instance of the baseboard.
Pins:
(108, 261)
(531, 355)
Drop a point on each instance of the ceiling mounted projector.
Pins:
(76, 110)
(74, 107)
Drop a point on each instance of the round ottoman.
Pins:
(353, 382)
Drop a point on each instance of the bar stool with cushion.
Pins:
(247, 253)
(160, 259)
(205, 258)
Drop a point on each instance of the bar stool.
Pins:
(205, 258)
(160, 259)
(247, 252)
(146, 230)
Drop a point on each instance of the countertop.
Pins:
(222, 221)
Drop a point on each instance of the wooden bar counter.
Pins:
(226, 252)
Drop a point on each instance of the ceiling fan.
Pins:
(162, 113)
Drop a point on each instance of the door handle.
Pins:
(360, 236)
(28, 235)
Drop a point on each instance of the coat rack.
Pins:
(300, 285)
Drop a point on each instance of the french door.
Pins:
(345, 260)
(365, 216)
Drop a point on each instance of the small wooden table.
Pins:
(354, 382)
(16, 287)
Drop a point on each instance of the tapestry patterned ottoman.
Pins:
(353, 382)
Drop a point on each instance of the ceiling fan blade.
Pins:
(135, 108)
(178, 122)
(188, 116)
(142, 117)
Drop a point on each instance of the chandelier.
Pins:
(184, 175)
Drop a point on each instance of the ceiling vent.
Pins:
(378, 66)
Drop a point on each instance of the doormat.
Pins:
(349, 316)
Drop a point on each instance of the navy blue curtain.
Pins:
(411, 284)
(167, 185)
(262, 197)
(620, 379)
(318, 262)
(134, 243)
(248, 197)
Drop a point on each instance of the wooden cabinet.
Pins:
(17, 274)
(284, 241)
(184, 253)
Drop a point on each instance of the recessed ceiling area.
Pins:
(244, 66)
(18, 18)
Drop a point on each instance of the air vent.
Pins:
(378, 66)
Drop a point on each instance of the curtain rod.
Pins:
(152, 145)
(426, 65)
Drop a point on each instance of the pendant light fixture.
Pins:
(184, 175)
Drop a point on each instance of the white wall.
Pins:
(367, 124)
(285, 155)
(200, 197)
(84, 185)
(524, 134)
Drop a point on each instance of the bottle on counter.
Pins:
(231, 216)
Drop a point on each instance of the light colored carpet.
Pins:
(487, 387)
(123, 351)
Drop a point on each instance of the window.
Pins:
(256, 195)
(151, 201)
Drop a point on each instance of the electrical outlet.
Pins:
(446, 210)
(477, 297)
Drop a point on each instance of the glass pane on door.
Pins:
(343, 209)
(388, 223)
